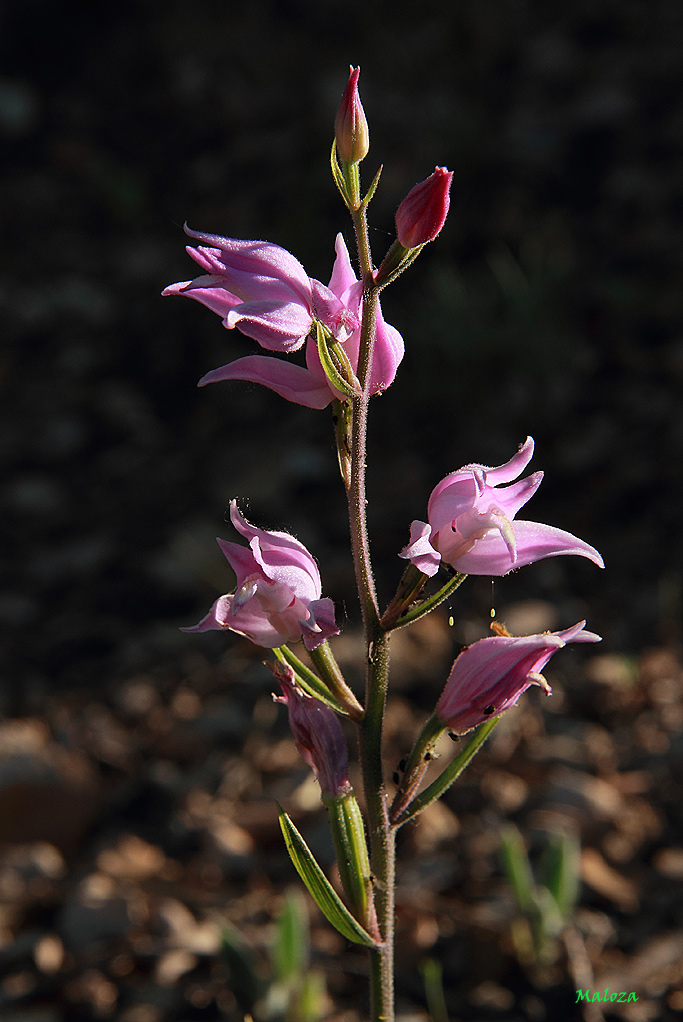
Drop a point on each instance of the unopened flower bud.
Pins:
(423, 212)
(317, 732)
(351, 126)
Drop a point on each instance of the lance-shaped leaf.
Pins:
(319, 887)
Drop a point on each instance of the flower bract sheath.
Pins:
(278, 594)
(265, 292)
(317, 733)
(351, 126)
(472, 524)
(489, 676)
(423, 212)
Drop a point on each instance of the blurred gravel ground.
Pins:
(138, 766)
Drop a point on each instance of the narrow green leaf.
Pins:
(518, 868)
(337, 174)
(291, 950)
(450, 774)
(559, 871)
(372, 189)
(319, 887)
(308, 681)
(335, 362)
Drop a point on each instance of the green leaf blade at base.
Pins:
(319, 887)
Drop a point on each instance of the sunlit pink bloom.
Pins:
(277, 597)
(317, 734)
(341, 313)
(472, 523)
(489, 676)
(351, 126)
(423, 212)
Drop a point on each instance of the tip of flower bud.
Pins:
(351, 126)
(423, 212)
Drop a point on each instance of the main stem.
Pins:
(382, 847)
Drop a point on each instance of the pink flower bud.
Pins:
(423, 212)
(317, 734)
(351, 126)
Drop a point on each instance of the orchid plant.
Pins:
(351, 354)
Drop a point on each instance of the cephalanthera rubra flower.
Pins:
(423, 212)
(351, 126)
(317, 734)
(264, 291)
(277, 598)
(472, 523)
(489, 676)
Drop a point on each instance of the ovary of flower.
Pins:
(278, 593)
(472, 524)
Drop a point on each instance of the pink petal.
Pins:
(322, 624)
(292, 382)
(535, 542)
(207, 290)
(420, 551)
(277, 326)
(514, 467)
(342, 272)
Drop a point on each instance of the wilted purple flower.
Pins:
(277, 598)
(423, 212)
(490, 675)
(351, 126)
(472, 523)
(282, 317)
(317, 733)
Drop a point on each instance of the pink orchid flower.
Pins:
(489, 676)
(472, 523)
(264, 291)
(318, 735)
(277, 598)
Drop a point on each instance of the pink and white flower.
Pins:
(278, 593)
(265, 292)
(489, 676)
(472, 524)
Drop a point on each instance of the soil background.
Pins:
(139, 765)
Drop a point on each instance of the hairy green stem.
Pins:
(381, 835)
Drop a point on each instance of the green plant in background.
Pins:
(544, 902)
(289, 990)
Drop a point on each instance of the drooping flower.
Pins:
(318, 735)
(277, 597)
(351, 126)
(423, 212)
(472, 523)
(489, 676)
(279, 313)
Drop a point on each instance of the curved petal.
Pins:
(514, 467)
(387, 353)
(256, 270)
(490, 555)
(208, 290)
(453, 496)
(342, 272)
(292, 382)
(509, 499)
(420, 551)
(321, 624)
(282, 557)
(277, 326)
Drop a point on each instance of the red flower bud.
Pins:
(351, 126)
(423, 212)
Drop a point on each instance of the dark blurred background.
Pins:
(550, 305)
